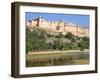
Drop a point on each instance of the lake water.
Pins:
(69, 58)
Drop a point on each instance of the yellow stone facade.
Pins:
(57, 27)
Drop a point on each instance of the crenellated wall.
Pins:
(58, 26)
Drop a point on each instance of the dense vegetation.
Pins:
(42, 40)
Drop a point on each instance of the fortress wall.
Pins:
(33, 23)
(53, 25)
(87, 32)
(70, 28)
(80, 30)
(40, 23)
(58, 27)
(28, 24)
(61, 25)
(48, 25)
(43, 24)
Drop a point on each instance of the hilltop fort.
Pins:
(58, 27)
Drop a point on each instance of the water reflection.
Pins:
(71, 58)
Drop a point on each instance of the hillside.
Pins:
(42, 40)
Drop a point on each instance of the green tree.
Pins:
(69, 35)
(35, 40)
(85, 38)
(83, 45)
(29, 41)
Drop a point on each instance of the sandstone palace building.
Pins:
(58, 27)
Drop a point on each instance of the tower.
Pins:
(61, 25)
(40, 21)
